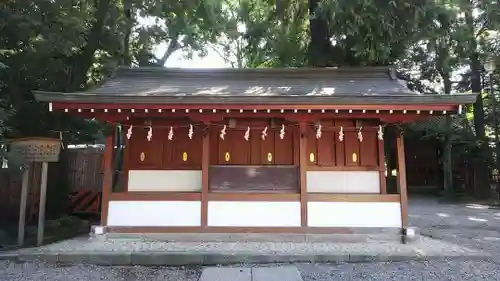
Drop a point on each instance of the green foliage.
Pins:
(276, 36)
(375, 32)
(182, 25)
(67, 46)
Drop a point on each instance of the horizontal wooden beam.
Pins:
(343, 168)
(335, 197)
(155, 117)
(273, 197)
(319, 230)
(155, 196)
(256, 197)
(171, 167)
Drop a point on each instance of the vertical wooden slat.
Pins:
(296, 146)
(312, 145)
(205, 162)
(223, 148)
(402, 179)
(381, 166)
(108, 179)
(126, 163)
(283, 148)
(351, 148)
(326, 149)
(241, 148)
(255, 147)
(303, 173)
(266, 148)
(368, 149)
(214, 145)
(183, 144)
(339, 145)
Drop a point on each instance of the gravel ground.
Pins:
(47, 272)
(469, 225)
(426, 270)
(407, 271)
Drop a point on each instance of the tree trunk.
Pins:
(447, 161)
(128, 31)
(482, 187)
(482, 183)
(83, 61)
(319, 47)
(479, 104)
(173, 46)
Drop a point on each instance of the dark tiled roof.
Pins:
(365, 85)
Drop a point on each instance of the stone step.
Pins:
(226, 274)
(285, 273)
(280, 273)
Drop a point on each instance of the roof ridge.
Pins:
(384, 72)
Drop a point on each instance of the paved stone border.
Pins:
(207, 259)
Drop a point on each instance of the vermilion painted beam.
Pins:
(217, 117)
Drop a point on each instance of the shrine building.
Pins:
(251, 150)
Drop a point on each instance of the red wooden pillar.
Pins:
(303, 172)
(205, 158)
(402, 188)
(381, 167)
(107, 184)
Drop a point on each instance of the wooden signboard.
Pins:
(32, 150)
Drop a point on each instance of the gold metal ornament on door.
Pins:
(269, 157)
(184, 156)
(142, 157)
(354, 157)
(227, 157)
(311, 157)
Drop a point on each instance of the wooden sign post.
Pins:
(33, 150)
(22, 205)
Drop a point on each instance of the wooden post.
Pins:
(303, 172)
(107, 184)
(402, 180)
(381, 166)
(22, 205)
(205, 162)
(43, 198)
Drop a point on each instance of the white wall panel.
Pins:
(154, 213)
(253, 214)
(164, 180)
(343, 181)
(354, 214)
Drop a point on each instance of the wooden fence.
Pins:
(82, 169)
(85, 169)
